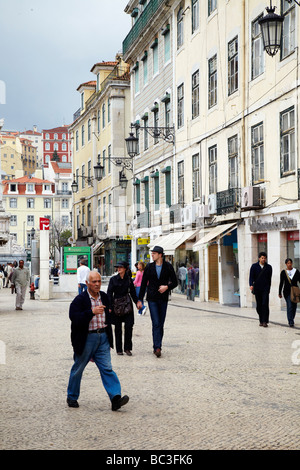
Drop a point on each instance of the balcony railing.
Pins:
(141, 23)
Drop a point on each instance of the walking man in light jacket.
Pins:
(20, 280)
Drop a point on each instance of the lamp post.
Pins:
(271, 29)
(165, 133)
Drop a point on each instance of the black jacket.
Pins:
(263, 284)
(118, 288)
(80, 314)
(151, 282)
(285, 284)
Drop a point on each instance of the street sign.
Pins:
(44, 223)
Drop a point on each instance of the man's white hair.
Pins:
(88, 275)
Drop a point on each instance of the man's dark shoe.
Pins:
(157, 352)
(117, 402)
(72, 403)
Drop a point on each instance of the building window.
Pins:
(146, 135)
(82, 135)
(77, 140)
(13, 220)
(89, 130)
(108, 110)
(89, 215)
(195, 15)
(167, 44)
(109, 158)
(180, 106)
(258, 56)
(212, 164)
(104, 161)
(83, 177)
(30, 203)
(30, 188)
(167, 113)
(212, 6)
(155, 57)
(212, 82)
(98, 121)
(156, 124)
(47, 146)
(89, 173)
(103, 115)
(196, 177)
(145, 68)
(136, 79)
(180, 169)
(55, 136)
(288, 28)
(47, 203)
(287, 142)
(195, 94)
(257, 151)
(65, 203)
(233, 162)
(13, 202)
(64, 220)
(168, 193)
(180, 28)
(233, 66)
(30, 220)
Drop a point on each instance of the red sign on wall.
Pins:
(44, 223)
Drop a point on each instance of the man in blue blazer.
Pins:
(159, 279)
(260, 284)
(91, 338)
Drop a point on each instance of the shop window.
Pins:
(293, 247)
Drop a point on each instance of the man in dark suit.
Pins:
(159, 279)
(260, 284)
(91, 337)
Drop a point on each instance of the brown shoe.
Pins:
(19, 308)
(129, 353)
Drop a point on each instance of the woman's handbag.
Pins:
(295, 291)
(123, 306)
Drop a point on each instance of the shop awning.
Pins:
(172, 241)
(219, 231)
(96, 248)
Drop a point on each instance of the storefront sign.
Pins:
(258, 225)
(143, 241)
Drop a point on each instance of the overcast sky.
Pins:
(47, 49)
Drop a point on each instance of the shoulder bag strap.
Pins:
(288, 276)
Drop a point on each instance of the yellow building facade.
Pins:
(98, 133)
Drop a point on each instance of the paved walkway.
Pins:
(222, 382)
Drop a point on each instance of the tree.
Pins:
(55, 156)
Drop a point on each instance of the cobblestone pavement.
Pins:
(222, 382)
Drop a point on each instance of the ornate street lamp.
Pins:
(122, 179)
(271, 29)
(132, 143)
(98, 172)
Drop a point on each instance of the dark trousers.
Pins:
(127, 334)
(262, 306)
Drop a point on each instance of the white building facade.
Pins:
(234, 161)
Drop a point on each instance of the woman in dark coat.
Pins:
(289, 277)
(120, 285)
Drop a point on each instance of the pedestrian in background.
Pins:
(91, 337)
(137, 284)
(159, 279)
(120, 286)
(20, 280)
(182, 277)
(289, 277)
(260, 284)
(82, 273)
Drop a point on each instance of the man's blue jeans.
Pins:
(97, 348)
(81, 288)
(158, 311)
(291, 310)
